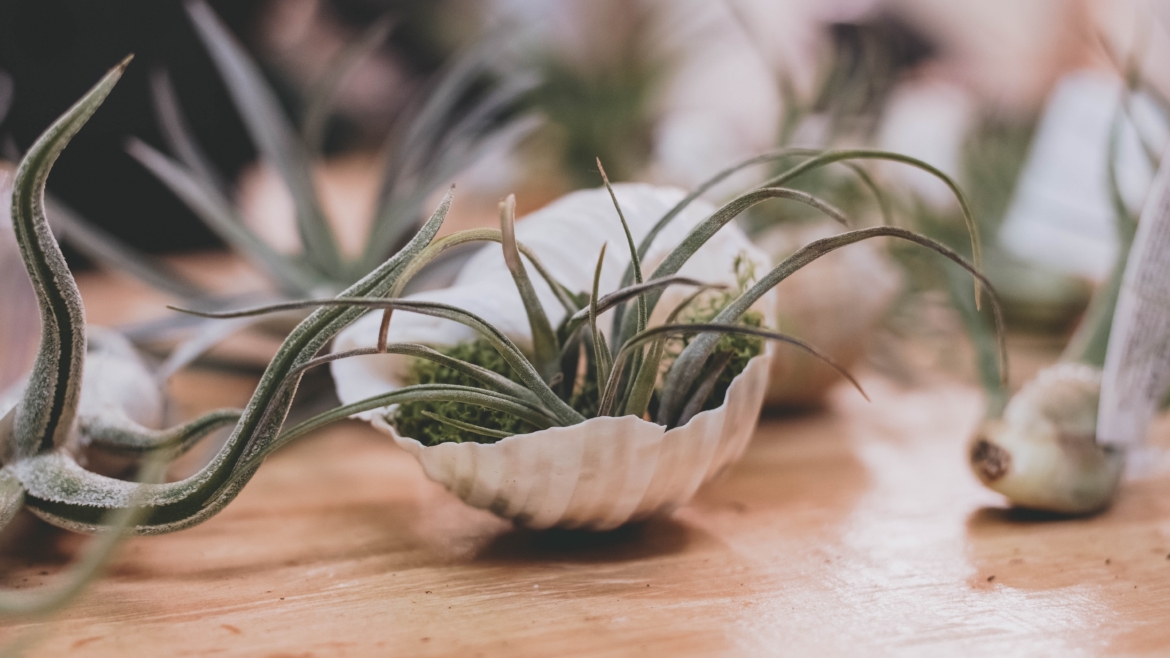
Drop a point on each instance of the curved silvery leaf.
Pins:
(825, 301)
(113, 405)
(567, 236)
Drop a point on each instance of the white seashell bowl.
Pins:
(602, 473)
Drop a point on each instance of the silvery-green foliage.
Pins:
(625, 366)
(58, 410)
(40, 473)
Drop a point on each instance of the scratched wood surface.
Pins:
(852, 531)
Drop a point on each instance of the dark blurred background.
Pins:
(54, 50)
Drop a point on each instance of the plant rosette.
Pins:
(1043, 453)
(605, 471)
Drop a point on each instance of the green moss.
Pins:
(743, 348)
(409, 420)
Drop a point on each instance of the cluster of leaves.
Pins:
(40, 474)
(419, 420)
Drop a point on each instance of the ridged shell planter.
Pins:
(601, 473)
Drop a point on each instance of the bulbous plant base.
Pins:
(602, 473)
(1043, 454)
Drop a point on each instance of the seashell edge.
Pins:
(602, 473)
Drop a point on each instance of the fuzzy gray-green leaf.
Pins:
(45, 414)
(272, 133)
(690, 362)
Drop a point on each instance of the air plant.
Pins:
(647, 444)
(39, 434)
(598, 86)
(471, 109)
(83, 389)
(1042, 449)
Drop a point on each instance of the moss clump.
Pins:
(742, 348)
(409, 420)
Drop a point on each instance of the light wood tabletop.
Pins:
(856, 530)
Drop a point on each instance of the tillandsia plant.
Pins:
(642, 443)
(1061, 443)
(473, 107)
(1043, 450)
(72, 399)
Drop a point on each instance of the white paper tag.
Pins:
(1137, 363)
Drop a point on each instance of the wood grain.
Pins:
(858, 527)
(853, 531)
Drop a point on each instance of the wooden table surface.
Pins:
(853, 531)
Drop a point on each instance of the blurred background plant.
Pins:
(310, 221)
(668, 92)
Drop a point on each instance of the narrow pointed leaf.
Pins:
(324, 90)
(130, 438)
(45, 415)
(688, 364)
(646, 375)
(467, 427)
(177, 132)
(635, 261)
(272, 133)
(220, 216)
(601, 355)
(706, 387)
(545, 349)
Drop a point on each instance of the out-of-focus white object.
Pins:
(20, 322)
(928, 120)
(1061, 215)
(1137, 363)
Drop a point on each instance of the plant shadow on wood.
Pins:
(645, 540)
(987, 517)
(31, 549)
